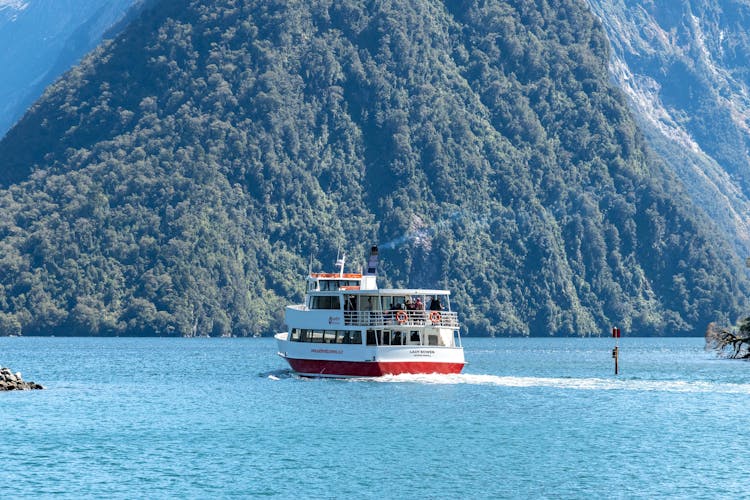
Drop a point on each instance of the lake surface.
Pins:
(528, 418)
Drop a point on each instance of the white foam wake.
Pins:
(13, 4)
(592, 384)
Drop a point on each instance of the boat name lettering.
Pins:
(334, 320)
(422, 352)
(328, 351)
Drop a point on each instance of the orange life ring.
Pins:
(435, 317)
(401, 317)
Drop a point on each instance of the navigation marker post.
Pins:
(616, 350)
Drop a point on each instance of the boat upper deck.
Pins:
(354, 299)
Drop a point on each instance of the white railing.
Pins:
(446, 319)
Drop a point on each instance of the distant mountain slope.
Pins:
(178, 179)
(685, 67)
(40, 39)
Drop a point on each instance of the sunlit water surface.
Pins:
(528, 418)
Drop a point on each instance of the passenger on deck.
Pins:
(418, 305)
(435, 304)
(391, 311)
(350, 304)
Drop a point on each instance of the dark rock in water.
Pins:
(10, 381)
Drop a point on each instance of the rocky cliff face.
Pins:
(684, 66)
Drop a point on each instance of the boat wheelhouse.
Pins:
(348, 327)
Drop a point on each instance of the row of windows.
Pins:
(326, 336)
(374, 303)
(396, 337)
(325, 302)
(374, 337)
(334, 285)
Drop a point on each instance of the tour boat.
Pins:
(348, 327)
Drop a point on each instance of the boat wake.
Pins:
(278, 374)
(591, 384)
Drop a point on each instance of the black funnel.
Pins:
(372, 262)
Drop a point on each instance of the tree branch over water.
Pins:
(729, 342)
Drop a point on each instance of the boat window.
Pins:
(350, 303)
(393, 303)
(385, 338)
(432, 340)
(414, 336)
(368, 303)
(396, 338)
(371, 337)
(326, 336)
(387, 303)
(335, 285)
(325, 302)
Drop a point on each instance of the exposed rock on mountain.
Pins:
(41, 39)
(686, 70)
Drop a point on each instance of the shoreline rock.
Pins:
(10, 381)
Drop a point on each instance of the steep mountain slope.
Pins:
(40, 39)
(178, 179)
(684, 66)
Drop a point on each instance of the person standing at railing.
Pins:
(435, 304)
(352, 303)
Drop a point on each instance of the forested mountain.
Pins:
(40, 39)
(178, 179)
(685, 66)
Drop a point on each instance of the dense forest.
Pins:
(180, 178)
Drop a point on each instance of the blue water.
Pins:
(528, 418)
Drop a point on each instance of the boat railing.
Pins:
(402, 317)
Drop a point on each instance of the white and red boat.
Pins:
(347, 327)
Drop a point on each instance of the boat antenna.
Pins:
(340, 263)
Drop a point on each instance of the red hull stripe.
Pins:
(370, 368)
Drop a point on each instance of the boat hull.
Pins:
(342, 360)
(330, 368)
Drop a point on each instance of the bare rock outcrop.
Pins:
(10, 381)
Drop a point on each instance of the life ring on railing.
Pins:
(435, 317)
(401, 317)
